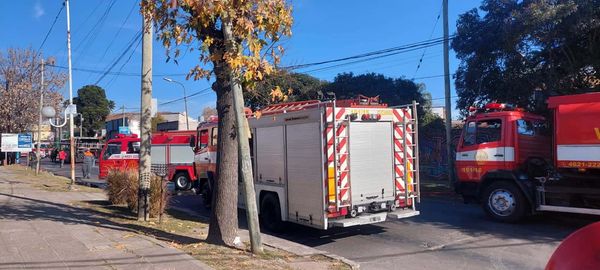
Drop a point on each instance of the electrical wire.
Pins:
(51, 27)
(205, 90)
(430, 35)
(137, 37)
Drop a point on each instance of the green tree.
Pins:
(518, 47)
(282, 86)
(92, 103)
(392, 91)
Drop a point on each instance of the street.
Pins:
(447, 235)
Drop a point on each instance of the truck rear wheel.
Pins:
(270, 213)
(182, 181)
(503, 201)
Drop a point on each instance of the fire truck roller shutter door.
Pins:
(371, 162)
(305, 178)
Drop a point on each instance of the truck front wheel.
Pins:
(503, 201)
(182, 181)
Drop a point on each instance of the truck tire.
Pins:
(504, 201)
(270, 213)
(206, 194)
(182, 181)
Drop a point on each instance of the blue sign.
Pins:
(24, 140)
(124, 130)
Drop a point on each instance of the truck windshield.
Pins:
(111, 149)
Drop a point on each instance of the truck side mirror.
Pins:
(192, 141)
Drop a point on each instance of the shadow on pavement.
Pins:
(43, 210)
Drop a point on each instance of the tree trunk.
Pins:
(224, 218)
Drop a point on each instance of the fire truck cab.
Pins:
(510, 160)
(168, 148)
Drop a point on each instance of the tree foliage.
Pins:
(92, 103)
(208, 112)
(283, 86)
(198, 26)
(20, 79)
(517, 47)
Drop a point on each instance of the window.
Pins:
(133, 148)
(215, 133)
(525, 127)
(469, 138)
(489, 131)
(203, 140)
(483, 131)
(111, 149)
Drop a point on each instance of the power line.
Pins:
(51, 27)
(118, 31)
(126, 74)
(188, 96)
(430, 35)
(374, 54)
(125, 63)
(89, 38)
(137, 37)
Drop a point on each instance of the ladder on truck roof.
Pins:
(289, 107)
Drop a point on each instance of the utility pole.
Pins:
(145, 122)
(448, 109)
(71, 122)
(245, 162)
(39, 135)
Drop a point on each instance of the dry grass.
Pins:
(46, 181)
(188, 233)
(122, 188)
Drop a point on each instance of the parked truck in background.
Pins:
(515, 163)
(168, 148)
(326, 164)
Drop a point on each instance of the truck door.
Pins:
(106, 163)
(482, 148)
(203, 157)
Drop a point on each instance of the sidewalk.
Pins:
(43, 230)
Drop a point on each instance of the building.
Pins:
(171, 121)
(440, 111)
(47, 132)
(114, 121)
(175, 121)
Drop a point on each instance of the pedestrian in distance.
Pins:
(88, 159)
(62, 155)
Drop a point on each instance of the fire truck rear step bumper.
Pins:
(370, 218)
(565, 209)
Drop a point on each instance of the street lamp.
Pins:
(184, 100)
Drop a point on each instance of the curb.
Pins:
(285, 245)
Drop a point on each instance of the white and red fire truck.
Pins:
(170, 148)
(327, 164)
(515, 164)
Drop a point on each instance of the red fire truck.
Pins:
(327, 164)
(170, 148)
(515, 164)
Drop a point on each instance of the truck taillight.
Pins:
(371, 117)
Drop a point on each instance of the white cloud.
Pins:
(38, 10)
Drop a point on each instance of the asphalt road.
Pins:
(447, 235)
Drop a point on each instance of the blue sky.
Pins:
(322, 30)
